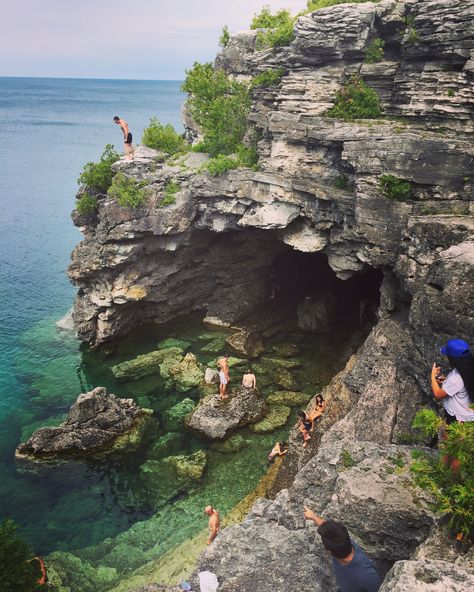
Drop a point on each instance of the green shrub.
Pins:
(375, 52)
(97, 176)
(169, 193)
(86, 204)
(221, 164)
(317, 4)
(395, 188)
(225, 37)
(355, 100)
(163, 137)
(266, 20)
(127, 192)
(18, 573)
(453, 492)
(247, 156)
(451, 92)
(346, 458)
(341, 182)
(410, 31)
(268, 78)
(220, 107)
(279, 37)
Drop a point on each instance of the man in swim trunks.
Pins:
(127, 136)
(223, 376)
(213, 523)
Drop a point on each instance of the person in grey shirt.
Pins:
(353, 570)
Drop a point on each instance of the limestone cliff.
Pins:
(212, 249)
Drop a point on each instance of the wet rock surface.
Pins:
(97, 423)
(216, 419)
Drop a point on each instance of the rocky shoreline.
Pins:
(154, 263)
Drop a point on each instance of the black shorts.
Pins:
(129, 138)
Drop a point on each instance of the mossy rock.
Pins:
(172, 342)
(282, 363)
(185, 374)
(233, 444)
(276, 418)
(284, 378)
(289, 398)
(173, 419)
(286, 350)
(168, 444)
(188, 467)
(67, 572)
(133, 439)
(145, 364)
(122, 555)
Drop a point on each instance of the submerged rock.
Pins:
(166, 445)
(216, 419)
(98, 423)
(290, 398)
(246, 344)
(233, 444)
(277, 417)
(146, 364)
(173, 419)
(184, 374)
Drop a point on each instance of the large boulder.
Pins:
(315, 314)
(216, 419)
(289, 398)
(277, 417)
(146, 364)
(246, 344)
(173, 419)
(98, 423)
(428, 576)
(185, 374)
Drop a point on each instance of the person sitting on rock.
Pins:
(353, 570)
(456, 390)
(304, 425)
(317, 411)
(249, 379)
(280, 449)
(222, 364)
(213, 523)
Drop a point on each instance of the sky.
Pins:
(132, 39)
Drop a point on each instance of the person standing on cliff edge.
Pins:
(353, 570)
(213, 523)
(127, 136)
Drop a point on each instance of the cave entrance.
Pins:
(321, 301)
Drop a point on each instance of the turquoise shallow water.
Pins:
(48, 129)
(102, 511)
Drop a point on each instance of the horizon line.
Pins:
(96, 78)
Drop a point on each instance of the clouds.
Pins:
(154, 39)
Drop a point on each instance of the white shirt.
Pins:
(457, 402)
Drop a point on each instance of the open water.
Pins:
(102, 511)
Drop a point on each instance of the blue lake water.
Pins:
(48, 129)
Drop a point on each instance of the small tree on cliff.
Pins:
(18, 573)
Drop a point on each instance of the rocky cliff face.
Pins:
(213, 248)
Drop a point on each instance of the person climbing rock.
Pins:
(127, 136)
(224, 379)
(280, 449)
(353, 570)
(305, 425)
(249, 379)
(213, 523)
(456, 390)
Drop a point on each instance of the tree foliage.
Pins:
(453, 491)
(97, 176)
(18, 573)
(355, 100)
(127, 191)
(163, 137)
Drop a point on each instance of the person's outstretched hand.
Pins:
(309, 514)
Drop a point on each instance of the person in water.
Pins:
(222, 364)
(280, 449)
(304, 425)
(353, 570)
(318, 410)
(213, 523)
(456, 390)
(249, 379)
(127, 136)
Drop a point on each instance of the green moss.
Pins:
(276, 418)
(97, 176)
(375, 52)
(173, 419)
(289, 398)
(127, 192)
(341, 182)
(163, 137)
(451, 92)
(86, 204)
(395, 188)
(233, 444)
(355, 100)
(346, 459)
(169, 193)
